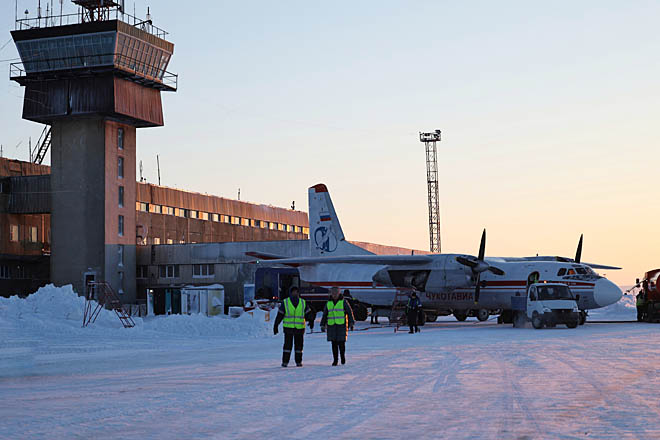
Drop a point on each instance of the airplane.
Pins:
(446, 283)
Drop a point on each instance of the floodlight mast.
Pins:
(430, 140)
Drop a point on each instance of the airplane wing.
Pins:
(265, 256)
(602, 266)
(562, 260)
(382, 260)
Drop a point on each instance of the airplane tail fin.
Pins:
(325, 234)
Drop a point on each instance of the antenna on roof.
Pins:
(158, 163)
(141, 178)
(239, 194)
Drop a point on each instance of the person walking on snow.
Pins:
(337, 318)
(293, 311)
(412, 311)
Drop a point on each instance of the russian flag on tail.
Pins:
(325, 216)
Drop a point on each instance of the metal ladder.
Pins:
(398, 313)
(42, 145)
(99, 294)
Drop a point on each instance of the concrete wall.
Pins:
(78, 200)
(85, 204)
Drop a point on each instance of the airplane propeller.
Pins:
(479, 265)
(578, 253)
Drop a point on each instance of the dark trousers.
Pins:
(289, 340)
(339, 348)
(412, 320)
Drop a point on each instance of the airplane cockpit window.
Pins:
(561, 272)
(581, 270)
(570, 272)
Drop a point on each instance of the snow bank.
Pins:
(247, 325)
(623, 310)
(51, 309)
(58, 311)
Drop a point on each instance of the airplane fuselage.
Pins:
(444, 284)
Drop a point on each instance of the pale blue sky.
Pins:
(549, 115)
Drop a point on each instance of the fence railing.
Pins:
(67, 19)
(123, 62)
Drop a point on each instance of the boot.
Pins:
(284, 365)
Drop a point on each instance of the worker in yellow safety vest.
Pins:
(293, 312)
(337, 319)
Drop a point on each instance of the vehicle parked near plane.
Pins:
(549, 304)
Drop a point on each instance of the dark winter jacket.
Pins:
(414, 304)
(338, 332)
(310, 315)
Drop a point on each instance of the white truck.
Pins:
(549, 304)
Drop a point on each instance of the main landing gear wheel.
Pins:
(430, 317)
(537, 322)
(460, 315)
(482, 314)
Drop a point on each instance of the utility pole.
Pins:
(430, 140)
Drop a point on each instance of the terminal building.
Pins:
(182, 237)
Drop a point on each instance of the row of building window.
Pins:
(220, 218)
(32, 233)
(172, 271)
(18, 272)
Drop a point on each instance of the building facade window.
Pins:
(156, 240)
(120, 138)
(142, 272)
(169, 271)
(203, 270)
(33, 236)
(121, 226)
(215, 217)
(121, 282)
(170, 241)
(121, 196)
(21, 272)
(120, 255)
(120, 167)
(4, 271)
(13, 233)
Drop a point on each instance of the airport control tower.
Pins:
(94, 77)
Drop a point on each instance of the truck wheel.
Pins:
(482, 314)
(460, 315)
(430, 317)
(360, 312)
(537, 321)
(572, 324)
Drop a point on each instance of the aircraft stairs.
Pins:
(100, 295)
(398, 316)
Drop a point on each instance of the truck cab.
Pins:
(549, 304)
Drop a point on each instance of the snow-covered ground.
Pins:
(194, 377)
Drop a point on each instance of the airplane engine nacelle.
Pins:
(443, 273)
(451, 275)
